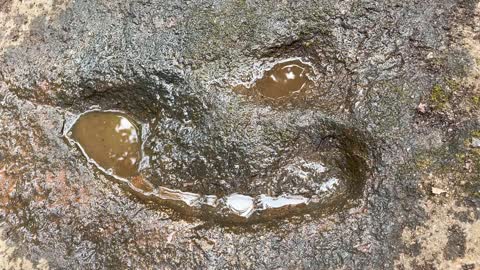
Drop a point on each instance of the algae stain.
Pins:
(476, 100)
(439, 97)
(111, 140)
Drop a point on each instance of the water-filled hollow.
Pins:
(246, 165)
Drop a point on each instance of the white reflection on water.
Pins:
(329, 185)
(267, 202)
(241, 205)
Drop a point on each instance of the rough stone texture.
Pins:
(376, 63)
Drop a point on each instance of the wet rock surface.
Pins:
(394, 109)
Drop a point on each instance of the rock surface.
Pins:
(173, 65)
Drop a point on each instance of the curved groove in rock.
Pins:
(242, 208)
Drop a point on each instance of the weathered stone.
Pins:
(172, 65)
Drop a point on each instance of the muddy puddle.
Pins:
(110, 139)
(284, 80)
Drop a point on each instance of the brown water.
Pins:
(111, 139)
(283, 79)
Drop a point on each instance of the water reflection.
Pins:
(267, 202)
(240, 204)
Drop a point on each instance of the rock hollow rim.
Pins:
(232, 208)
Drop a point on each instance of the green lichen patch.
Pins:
(453, 85)
(475, 133)
(439, 97)
(476, 101)
(455, 166)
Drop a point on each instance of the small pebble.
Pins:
(422, 108)
(438, 191)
